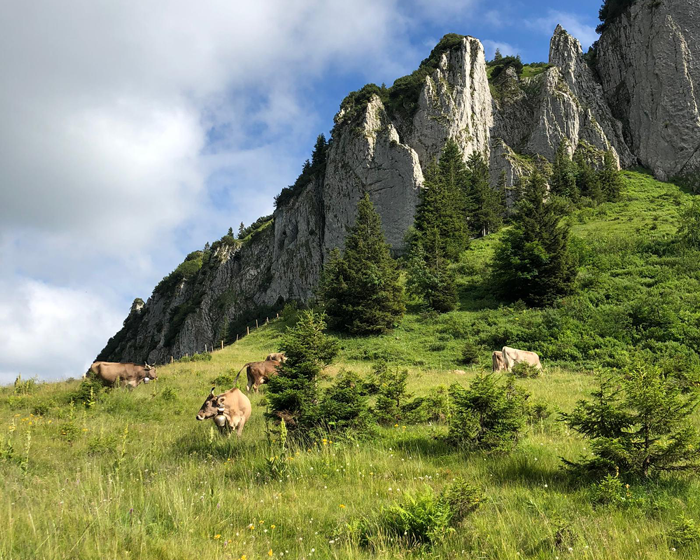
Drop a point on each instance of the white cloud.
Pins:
(133, 131)
(573, 23)
(53, 331)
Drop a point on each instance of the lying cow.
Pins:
(511, 356)
(276, 357)
(126, 375)
(230, 410)
(258, 373)
(499, 364)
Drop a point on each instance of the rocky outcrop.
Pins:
(367, 157)
(455, 102)
(642, 106)
(648, 61)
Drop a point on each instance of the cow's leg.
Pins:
(251, 382)
(240, 427)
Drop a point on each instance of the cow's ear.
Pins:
(220, 401)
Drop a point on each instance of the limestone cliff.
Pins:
(639, 101)
(648, 61)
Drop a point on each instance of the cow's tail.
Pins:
(235, 383)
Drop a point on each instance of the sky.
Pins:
(134, 132)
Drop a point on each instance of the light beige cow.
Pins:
(512, 356)
(129, 375)
(499, 363)
(230, 410)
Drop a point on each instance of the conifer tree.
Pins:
(587, 181)
(241, 230)
(638, 425)
(485, 204)
(443, 202)
(293, 393)
(533, 262)
(429, 275)
(563, 182)
(609, 178)
(361, 288)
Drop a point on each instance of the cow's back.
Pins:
(110, 372)
(514, 356)
(237, 403)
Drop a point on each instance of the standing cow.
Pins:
(230, 411)
(126, 375)
(511, 356)
(258, 373)
(498, 362)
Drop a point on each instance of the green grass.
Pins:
(136, 476)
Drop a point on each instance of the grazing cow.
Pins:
(230, 410)
(499, 363)
(276, 357)
(129, 375)
(258, 373)
(511, 356)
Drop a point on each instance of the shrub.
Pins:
(525, 370)
(89, 392)
(684, 532)
(488, 415)
(168, 395)
(611, 491)
(344, 405)
(425, 517)
(432, 408)
(470, 353)
(391, 393)
(638, 424)
(224, 380)
(201, 357)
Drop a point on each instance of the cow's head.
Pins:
(213, 406)
(149, 372)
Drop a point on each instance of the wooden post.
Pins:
(247, 330)
(172, 360)
(256, 323)
(278, 315)
(205, 348)
(267, 320)
(236, 338)
(222, 344)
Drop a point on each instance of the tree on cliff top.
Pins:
(361, 288)
(611, 10)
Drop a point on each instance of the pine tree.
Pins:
(498, 56)
(429, 275)
(318, 156)
(293, 393)
(563, 182)
(443, 201)
(610, 178)
(230, 232)
(361, 288)
(533, 262)
(485, 204)
(241, 231)
(638, 425)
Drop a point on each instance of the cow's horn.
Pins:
(212, 391)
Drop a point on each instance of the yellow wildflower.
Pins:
(342, 506)
(216, 537)
(269, 552)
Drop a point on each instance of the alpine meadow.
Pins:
(469, 329)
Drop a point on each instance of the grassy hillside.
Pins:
(135, 476)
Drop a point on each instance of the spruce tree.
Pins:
(241, 230)
(533, 262)
(485, 204)
(610, 178)
(293, 393)
(429, 275)
(563, 181)
(443, 201)
(639, 424)
(361, 288)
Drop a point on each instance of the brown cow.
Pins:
(276, 357)
(230, 410)
(511, 356)
(258, 373)
(126, 375)
(499, 363)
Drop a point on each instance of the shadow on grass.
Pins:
(198, 443)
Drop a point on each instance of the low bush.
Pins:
(470, 353)
(684, 532)
(525, 370)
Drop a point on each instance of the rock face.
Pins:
(641, 103)
(455, 102)
(649, 65)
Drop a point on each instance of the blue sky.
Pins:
(135, 132)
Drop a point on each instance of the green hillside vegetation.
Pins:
(89, 473)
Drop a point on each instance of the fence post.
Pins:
(222, 344)
(247, 330)
(236, 338)
(278, 315)
(172, 360)
(267, 320)
(205, 348)
(256, 323)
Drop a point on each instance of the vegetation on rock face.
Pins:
(611, 10)
(360, 289)
(311, 171)
(533, 262)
